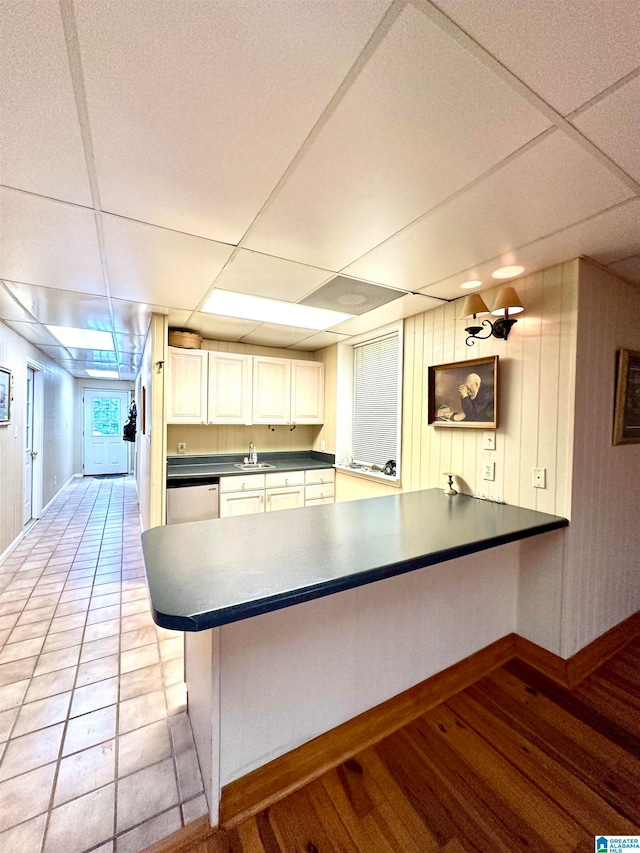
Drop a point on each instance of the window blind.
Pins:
(376, 366)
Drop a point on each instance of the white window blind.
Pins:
(376, 400)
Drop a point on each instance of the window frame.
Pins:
(345, 400)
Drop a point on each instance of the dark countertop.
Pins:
(190, 467)
(211, 573)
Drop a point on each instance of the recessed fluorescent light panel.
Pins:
(246, 307)
(82, 338)
(103, 374)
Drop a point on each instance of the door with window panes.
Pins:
(105, 414)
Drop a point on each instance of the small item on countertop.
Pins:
(390, 468)
(449, 490)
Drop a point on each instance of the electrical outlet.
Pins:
(539, 478)
(182, 447)
(323, 446)
(489, 440)
(488, 470)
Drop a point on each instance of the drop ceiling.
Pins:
(153, 151)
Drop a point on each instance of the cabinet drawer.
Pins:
(285, 478)
(242, 484)
(319, 490)
(320, 475)
(318, 501)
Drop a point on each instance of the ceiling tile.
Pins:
(320, 340)
(33, 332)
(10, 309)
(49, 243)
(605, 237)
(182, 99)
(274, 278)
(95, 356)
(55, 352)
(129, 343)
(39, 133)
(567, 52)
(64, 307)
(628, 267)
(422, 120)
(273, 335)
(158, 266)
(549, 186)
(614, 125)
(216, 327)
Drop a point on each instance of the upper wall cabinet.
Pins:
(271, 390)
(307, 392)
(230, 388)
(187, 386)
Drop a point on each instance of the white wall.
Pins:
(602, 571)
(58, 429)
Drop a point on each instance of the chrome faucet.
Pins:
(253, 454)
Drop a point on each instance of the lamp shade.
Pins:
(507, 302)
(473, 305)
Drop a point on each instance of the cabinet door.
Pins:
(186, 386)
(307, 392)
(241, 503)
(230, 377)
(285, 498)
(271, 390)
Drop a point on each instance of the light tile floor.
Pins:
(96, 750)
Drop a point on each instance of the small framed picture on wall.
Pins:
(626, 421)
(6, 389)
(464, 394)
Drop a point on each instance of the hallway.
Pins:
(96, 750)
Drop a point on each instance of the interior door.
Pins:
(105, 413)
(29, 452)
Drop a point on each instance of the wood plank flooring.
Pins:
(513, 763)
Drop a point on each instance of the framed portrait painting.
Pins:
(626, 421)
(464, 394)
(5, 396)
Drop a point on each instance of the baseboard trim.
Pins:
(58, 493)
(245, 797)
(12, 547)
(186, 839)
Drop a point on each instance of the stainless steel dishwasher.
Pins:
(192, 501)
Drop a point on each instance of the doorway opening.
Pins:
(105, 414)
(32, 471)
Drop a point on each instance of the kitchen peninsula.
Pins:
(264, 676)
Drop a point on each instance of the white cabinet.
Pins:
(241, 495)
(307, 392)
(186, 386)
(271, 390)
(233, 388)
(230, 391)
(284, 490)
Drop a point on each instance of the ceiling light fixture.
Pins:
(507, 303)
(102, 374)
(469, 285)
(83, 338)
(507, 272)
(230, 304)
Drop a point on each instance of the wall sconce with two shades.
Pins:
(507, 303)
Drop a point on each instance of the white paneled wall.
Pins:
(602, 572)
(58, 426)
(535, 397)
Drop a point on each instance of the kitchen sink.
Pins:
(255, 466)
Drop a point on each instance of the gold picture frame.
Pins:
(626, 420)
(464, 394)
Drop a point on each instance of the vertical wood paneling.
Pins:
(57, 451)
(327, 432)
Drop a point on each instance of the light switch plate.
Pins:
(488, 470)
(489, 442)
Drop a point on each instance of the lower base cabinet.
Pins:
(274, 491)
